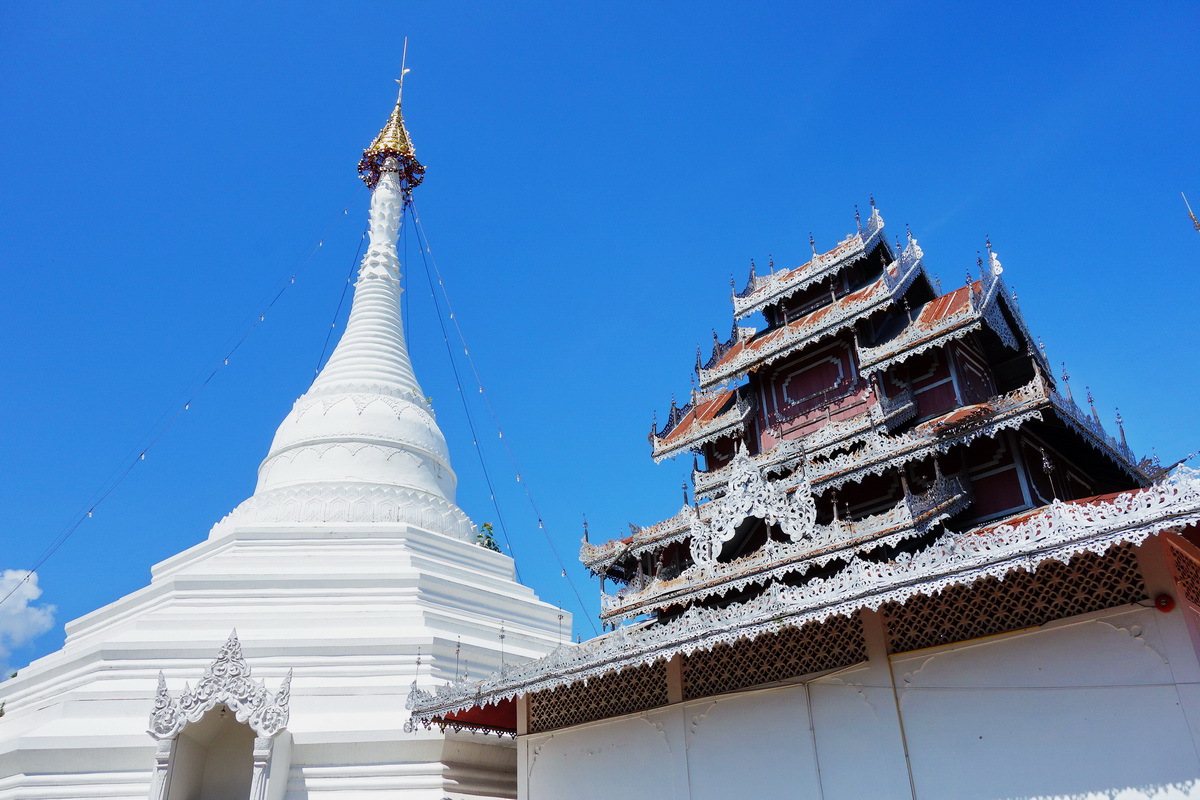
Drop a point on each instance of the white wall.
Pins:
(1091, 709)
(1101, 706)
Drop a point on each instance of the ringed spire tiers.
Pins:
(362, 444)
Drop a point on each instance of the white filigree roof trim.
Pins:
(817, 546)
(702, 432)
(781, 342)
(1057, 532)
(767, 289)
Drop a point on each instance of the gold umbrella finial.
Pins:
(393, 141)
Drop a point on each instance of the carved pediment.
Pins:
(227, 682)
(750, 494)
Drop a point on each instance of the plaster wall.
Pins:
(349, 609)
(1103, 705)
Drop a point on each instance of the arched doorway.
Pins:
(213, 758)
(221, 740)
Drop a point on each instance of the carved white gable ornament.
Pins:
(225, 682)
(749, 494)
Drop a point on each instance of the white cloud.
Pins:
(20, 621)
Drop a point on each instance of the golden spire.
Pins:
(393, 138)
(393, 143)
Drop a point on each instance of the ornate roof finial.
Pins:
(393, 142)
(1067, 382)
(872, 197)
(1121, 428)
(585, 528)
(812, 242)
(857, 217)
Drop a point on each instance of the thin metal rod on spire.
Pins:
(403, 71)
(1195, 221)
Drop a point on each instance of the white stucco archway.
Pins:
(226, 714)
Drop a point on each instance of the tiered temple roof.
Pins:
(873, 440)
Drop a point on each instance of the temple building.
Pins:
(911, 566)
(273, 659)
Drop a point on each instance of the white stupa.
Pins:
(349, 571)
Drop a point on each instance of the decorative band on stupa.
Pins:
(393, 142)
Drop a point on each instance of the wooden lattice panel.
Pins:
(624, 692)
(1022, 600)
(1187, 574)
(837, 642)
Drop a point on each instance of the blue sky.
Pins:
(596, 173)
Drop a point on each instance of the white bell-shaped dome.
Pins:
(362, 444)
(362, 437)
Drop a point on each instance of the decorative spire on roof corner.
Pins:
(393, 143)
(1066, 378)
